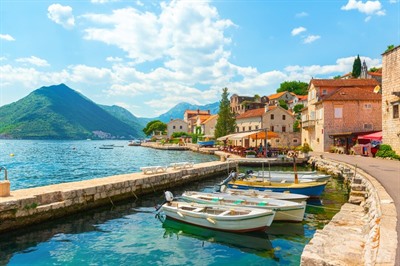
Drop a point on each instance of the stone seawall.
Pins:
(28, 206)
(363, 232)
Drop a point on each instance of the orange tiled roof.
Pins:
(377, 74)
(353, 94)
(276, 95)
(343, 82)
(209, 118)
(302, 97)
(252, 113)
(201, 112)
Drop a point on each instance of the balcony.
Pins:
(308, 123)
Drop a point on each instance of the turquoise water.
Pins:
(129, 233)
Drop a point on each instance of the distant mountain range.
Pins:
(58, 112)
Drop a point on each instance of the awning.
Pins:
(239, 136)
(261, 135)
(225, 137)
(372, 136)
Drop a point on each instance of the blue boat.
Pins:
(311, 189)
(208, 143)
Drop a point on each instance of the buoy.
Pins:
(11, 154)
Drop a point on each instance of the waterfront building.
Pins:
(285, 96)
(391, 98)
(241, 104)
(176, 125)
(280, 120)
(338, 110)
(208, 126)
(190, 117)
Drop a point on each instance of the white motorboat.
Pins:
(219, 217)
(288, 177)
(285, 210)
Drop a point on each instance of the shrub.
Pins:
(385, 151)
(305, 148)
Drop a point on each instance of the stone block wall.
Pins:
(363, 232)
(30, 206)
(391, 84)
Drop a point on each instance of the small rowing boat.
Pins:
(284, 210)
(267, 194)
(219, 217)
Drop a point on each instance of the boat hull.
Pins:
(256, 221)
(284, 210)
(209, 143)
(289, 177)
(268, 194)
(313, 189)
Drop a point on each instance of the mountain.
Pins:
(127, 117)
(178, 110)
(58, 112)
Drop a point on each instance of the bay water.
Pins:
(130, 233)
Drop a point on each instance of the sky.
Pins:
(147, 56)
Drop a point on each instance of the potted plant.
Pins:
(250, 154)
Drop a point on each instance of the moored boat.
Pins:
(288, 177)
(206, 143)
(267, 194)
(311, 189)
(219, 217)
(284, 210)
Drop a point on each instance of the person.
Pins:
(260, 149)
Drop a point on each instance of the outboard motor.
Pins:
(249, 172)
(169, 197)
(232, 176)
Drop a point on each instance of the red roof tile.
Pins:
(353, 94)
(343, 82)
(252, 113)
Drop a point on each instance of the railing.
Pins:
(308, 123)
(5, 172)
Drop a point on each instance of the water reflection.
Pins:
(255, 242)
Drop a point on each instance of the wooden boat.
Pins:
(284, 210)
(134, 143)
(311, 189)
(219, 217)
(267, 194)
(281, 176)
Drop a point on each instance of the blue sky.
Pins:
(147, 56)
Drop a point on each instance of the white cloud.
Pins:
(33, 60)
(61, 15)
(301, 14)
(393, 1)
(311, 38)
(369, 7)
(3, 58)
(102, 1)
(6, 37)
(114, 59)
(297, 31)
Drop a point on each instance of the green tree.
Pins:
(297, 108)
(226, 122)
(155, 125)
(356, 67)
(389, 47)
(297, 87)
(337, 77)
(296, 126)
(373, 69)
(283, 104)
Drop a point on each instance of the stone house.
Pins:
(190, 117)
(280, 120)
(176, 125)
(338, 111)
(250, 120)
(198, 123)
(208, 126)
(285, 96)
(241, 104)
(391, 98)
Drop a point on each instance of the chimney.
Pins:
(208, 111)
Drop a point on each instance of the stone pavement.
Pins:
(387, 172)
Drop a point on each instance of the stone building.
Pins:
(285, 96)
(241, 104)
(338, 110)
(280, 120)
(391, 98)
(190, 117)
(176, 125)
(208, 126)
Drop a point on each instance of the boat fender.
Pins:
(180, 214)
(169, 196)
(211, 220)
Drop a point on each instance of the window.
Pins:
(283, 128)
(367, 106)
(237, 129)
(173, 127)
(338, 112)
(272, 117)
(272, 128)
(367, 126)
(324, 92)
(283, 117)
(277, 140)
(396, 111)
(256, 127)
(250, 128)
(243, 129)
(294, 140)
